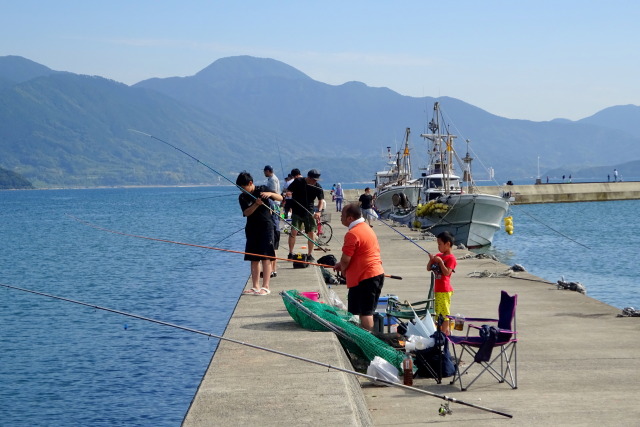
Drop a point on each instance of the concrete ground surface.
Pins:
(578, 364)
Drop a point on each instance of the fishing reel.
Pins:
(444, 410)
(435, 268)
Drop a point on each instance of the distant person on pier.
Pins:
(608, 178)
(339, 197)
(366, 204)
(361, 264)
(615, 175)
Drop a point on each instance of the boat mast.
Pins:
(406, 159)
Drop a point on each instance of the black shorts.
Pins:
(259, 242)
(363, 299)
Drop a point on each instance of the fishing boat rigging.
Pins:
(442, 202)
(396, 190)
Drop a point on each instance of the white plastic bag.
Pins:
(383, 370)
(335, 301)
(424, 328)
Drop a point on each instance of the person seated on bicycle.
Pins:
(303, 193)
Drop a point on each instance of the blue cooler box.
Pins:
(382, 309)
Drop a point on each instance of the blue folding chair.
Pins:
(501, 338)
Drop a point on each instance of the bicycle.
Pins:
(325, 231)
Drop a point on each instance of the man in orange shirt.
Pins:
(361, 265)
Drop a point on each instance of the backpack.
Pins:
(330, 278)
(431, 360)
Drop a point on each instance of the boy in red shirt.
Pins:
(442, 265)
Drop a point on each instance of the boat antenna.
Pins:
(255, 346)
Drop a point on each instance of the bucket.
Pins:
(313, 296)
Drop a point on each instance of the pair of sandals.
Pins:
(259, 292)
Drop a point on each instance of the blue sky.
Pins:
(517, 59)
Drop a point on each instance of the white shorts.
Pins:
(369, 213)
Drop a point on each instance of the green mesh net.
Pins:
(317, 316)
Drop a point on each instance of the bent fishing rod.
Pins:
(223, 176)
(257, 347)
(97, 227)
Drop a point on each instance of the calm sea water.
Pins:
(65, 364)
(594, 243)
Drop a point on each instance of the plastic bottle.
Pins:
(407, 368)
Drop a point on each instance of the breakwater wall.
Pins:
(564, 193)
(552, 193)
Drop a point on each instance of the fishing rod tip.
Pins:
(137, 131)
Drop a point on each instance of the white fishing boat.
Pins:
(445, 204)
(395, 189)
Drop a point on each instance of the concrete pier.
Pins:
(578, 364)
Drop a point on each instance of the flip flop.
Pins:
(266, 291)
(251, 291)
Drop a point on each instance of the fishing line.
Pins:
(97, 227)
(406, 237)
(221, 175)
(210, 197)
(552, 229)
(246, 344)
(225, 238)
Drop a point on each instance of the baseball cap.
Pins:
(268, 168)
(313, 173)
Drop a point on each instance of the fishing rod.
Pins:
(406, 237)
(257, 347)
(223, 176)
(97, 227)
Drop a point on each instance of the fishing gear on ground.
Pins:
(243, 343)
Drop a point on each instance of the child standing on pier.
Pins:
(442, 265)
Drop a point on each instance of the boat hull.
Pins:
(385, 200)
(472, 219)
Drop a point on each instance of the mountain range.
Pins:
(63, 129)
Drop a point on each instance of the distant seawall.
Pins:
(564, 193)
(553, 193)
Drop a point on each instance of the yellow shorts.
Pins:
(443, 303)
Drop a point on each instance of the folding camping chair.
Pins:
(405, 310)
(503, 339)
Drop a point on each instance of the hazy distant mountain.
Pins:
(59, 128)
(16, 69)
(620, 117)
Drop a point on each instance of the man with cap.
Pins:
(303, 192)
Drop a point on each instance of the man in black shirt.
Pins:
(303, 192)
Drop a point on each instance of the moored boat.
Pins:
(395, 189)
(445, 204)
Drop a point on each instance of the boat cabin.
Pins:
(436, 185)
